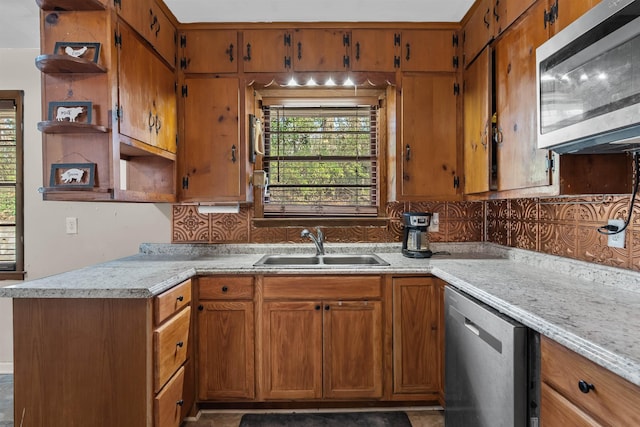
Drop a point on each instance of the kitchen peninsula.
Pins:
(584, 307)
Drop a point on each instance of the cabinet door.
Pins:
(266, 51)
(375, 50)
(569, 11)
(478, 30)
(162, 34)
(352, 349)
(507, 11)
(165, 106)
(416, 335)
(520, 163)
(320, 50)
(226, 350)
(292, 350)
(427, 156)
(209, 51)
(428, 50)
(212, 154)
(477, 125)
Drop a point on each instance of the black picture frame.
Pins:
(91, 53)
(55, 106)
(68, 175)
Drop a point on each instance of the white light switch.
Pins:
(72, 225)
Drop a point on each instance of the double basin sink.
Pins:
(331, 260)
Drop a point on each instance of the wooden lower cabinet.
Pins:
(226, 334)
(417, 337)
(327, 347)
(577, 392)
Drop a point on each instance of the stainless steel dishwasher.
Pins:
(491, 366)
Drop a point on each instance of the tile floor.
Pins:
(419, 417)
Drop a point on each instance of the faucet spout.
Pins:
(317, 241)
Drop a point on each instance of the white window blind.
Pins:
(321, 161)
(10, 136)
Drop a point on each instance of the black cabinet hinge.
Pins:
(455, 61)
(117, 39)
(456, 182)
(455, 39)
(345, 61)
(185, 91)
(346, 41)
(287, 62)
(183, 40)
(117, 3)
(184, 62)
(117, 113)
(185, 182)
(396, 62)
(456, 89)
(396, 39)
(550, 163)
(287, 39)
(551, 16)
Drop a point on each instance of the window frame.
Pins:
(18, 273)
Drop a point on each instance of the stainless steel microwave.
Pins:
(588, 82)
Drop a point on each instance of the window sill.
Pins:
(319, 221)
(12, 275)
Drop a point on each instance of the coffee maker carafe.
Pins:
(415, 243)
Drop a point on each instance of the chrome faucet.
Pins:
(318, 241)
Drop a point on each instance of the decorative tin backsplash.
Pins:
(559, 226)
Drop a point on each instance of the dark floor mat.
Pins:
(316, 419)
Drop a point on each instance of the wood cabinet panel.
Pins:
(170, 343)
(324, 287)
(428, 50)
(167, 405)
(375, 50)
(478, 145)
(428, 152)
(417, 333)
(292, 350)
(556, 411)
(226, 359)
(611, 401)
(478, 30)
(321, 49)
(352, 349)
(238, 288)
(520, 163)
(212, 151)
(569, 11)
(266, 51)
(171, 301)
(209, 51)
(508, 11)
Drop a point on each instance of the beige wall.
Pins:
(105, 230)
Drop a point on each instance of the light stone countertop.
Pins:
(592, 309)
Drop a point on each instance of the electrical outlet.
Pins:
(72, 225)
(435, 223)
(616, 240)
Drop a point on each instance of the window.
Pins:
(321, 161)
(11, 246)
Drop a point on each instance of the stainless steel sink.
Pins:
(332, 260)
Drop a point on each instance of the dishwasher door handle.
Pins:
(471, 326)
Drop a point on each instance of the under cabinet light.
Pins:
(218, 209)
(292, 82)
(348, 82)
(330, 82)
(311, 82)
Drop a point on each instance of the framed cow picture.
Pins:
(70, 111)
(88, 51)
(73, 175)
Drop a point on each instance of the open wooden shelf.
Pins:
(53, 126)
(78, 194)
(70, 5)
(52, 64)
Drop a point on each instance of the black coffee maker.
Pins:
(415, 243)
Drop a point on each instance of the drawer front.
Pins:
(167, 405)
(170, 342)
(612, 401)
(171, 301)
(556, 411)
(321, 287)
(223, 287)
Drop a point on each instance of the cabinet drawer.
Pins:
(170, 343)
(167, 405)
(322, 287)
(612, 401)
(226, 287)
(171, 301)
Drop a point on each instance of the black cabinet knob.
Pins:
(180, 402)
(585, 387)
(180, 298)
(327, 307)
(180, 344)
(317, 307)
(200, 307)
(225, 289)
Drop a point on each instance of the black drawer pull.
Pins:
(225, 289)
(585, 387)
(180, 298)
(180, 402)
(180, 344)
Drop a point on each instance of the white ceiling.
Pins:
(19, 27)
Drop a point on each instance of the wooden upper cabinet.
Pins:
(266, 51)
(568, 11)
(478, 31)
(505, 12)
(148, 19)
(321, 49)
(427, 155)
(212, 153)
(375, 50)
(477, 124)
(520, 163)
(429, 50)
(209, 51)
